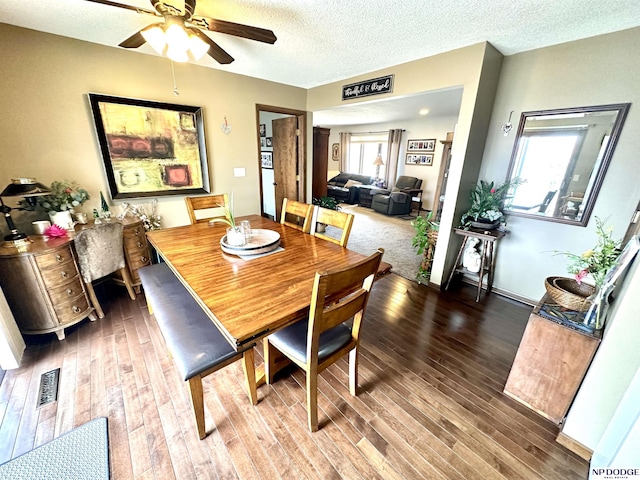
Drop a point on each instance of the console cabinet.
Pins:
(43, 286)
(550, 364)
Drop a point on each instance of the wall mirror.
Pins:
(562, 156)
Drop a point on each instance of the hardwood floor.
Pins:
(430, 406)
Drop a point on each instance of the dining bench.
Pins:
(194, 342)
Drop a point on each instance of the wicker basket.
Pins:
(569, 293)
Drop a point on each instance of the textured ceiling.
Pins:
(321, 42)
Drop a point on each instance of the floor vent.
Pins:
(48, 387)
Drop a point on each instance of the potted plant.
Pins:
(235, 236)
(425, 241)
(594, 263)
(325, 202)
(60, 203)
(487, 201)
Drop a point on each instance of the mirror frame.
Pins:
(622, 109)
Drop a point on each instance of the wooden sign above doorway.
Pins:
(375, 86)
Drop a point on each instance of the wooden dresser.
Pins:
(136, 249)
(43, 286)
(552, 359)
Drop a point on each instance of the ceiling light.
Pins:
(174, 40)
(154, 34)
(423, 111)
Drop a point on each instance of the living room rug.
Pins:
(82, 453)
(372, 230)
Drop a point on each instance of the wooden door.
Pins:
(285, 160)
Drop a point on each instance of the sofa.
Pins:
(343, 187)
(398, 201)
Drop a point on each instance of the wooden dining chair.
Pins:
(200, 208)
(100, 251)
(333, 218)
(327, 335)
(301, 211)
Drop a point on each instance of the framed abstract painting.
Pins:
(150, 149)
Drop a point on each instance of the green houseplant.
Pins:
(235, 236)
(487, 201)
(65, 196)
(425, 243)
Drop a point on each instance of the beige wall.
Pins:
(596, 71)
(48, 131)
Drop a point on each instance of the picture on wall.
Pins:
(419, 159)
(263, 142)
(269, 142)
(263, 130)
(426, 145)
(335, 151)
(266, 159)
(150, 148)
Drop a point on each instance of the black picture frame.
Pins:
(266, 159)
(150, 149)
(421, 145)
(263, 129)
(423, 159)
(269, 142)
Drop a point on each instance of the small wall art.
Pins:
(335, 151)
(422, 145)
(419, 159)
(269, 142)
(263, 129)
(266, 159)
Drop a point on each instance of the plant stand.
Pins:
(487, 240)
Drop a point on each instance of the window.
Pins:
(363, 150)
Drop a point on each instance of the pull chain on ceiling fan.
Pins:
(180, 36)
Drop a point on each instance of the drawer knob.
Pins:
(140, 245)
(76, 309)
(70, 292)
(59, 258)
(64, 274)
(143, 259)
(136, 232)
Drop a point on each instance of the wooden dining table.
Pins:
(248, 299)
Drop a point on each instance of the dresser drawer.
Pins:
(138, 261)
(64, 293)
(135, 244)
(137, 231)
(51, 260)
(59, 275)
(67, 312)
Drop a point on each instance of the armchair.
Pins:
(398, 201)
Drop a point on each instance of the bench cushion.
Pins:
(194, 341)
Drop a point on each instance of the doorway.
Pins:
(282, 159)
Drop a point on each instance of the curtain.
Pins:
(345, 142)
(393, 154)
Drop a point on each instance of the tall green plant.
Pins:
(425, 242)
(487, 201)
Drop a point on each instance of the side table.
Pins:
(366, 194)
(487, 261)
(416, 197)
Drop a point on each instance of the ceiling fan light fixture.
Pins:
(197, 46)
(154, 35)
(177, 54)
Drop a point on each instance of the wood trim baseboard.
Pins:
(575, 446)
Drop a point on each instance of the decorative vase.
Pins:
(62, 219)
(235, 237)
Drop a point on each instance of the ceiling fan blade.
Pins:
(134, 41)
(215, 51)
(236, 29)
(122, 5)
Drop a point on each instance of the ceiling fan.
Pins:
(181, 32)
